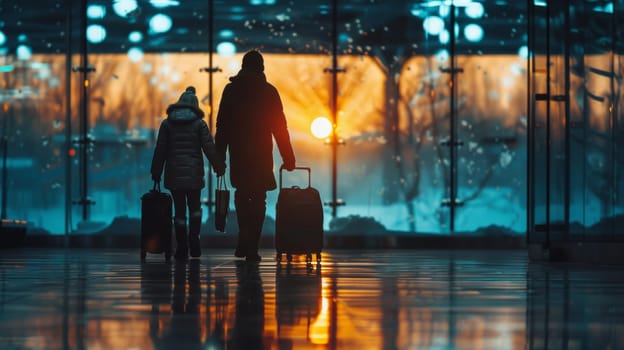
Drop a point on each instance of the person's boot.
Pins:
(181, 253)
(194, 241)
(194, 245)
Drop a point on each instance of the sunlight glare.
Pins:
(321, 127)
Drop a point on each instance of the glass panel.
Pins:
(422, 158)
(538, 121)
(558, 156)
(618, 128)
(600, 92)
(32, 95)
(491, 118)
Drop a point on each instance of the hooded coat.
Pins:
(181, 139)
(250, 116)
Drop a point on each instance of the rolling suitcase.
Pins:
(299, 221)
(156, 223)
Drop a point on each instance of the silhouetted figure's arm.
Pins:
(160, 153)
(279, 129)
(208, 146)
(222, 134)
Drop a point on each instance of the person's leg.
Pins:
(241, 200)
(179, 224)
(195, 216)
(257, 212)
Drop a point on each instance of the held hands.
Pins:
(219, 169)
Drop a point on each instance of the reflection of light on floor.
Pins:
(319, 330)
(504, 339)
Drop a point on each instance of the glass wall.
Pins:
(575, 99)
(428, 99)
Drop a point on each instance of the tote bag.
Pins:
(222, 203)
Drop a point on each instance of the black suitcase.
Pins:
(156, 223)
(298, 221)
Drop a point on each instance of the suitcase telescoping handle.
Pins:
(156, 186)
(297, 168)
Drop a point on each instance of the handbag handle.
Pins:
(297, 168)
(156, 186)
(221, 183)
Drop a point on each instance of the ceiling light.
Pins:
(226, 49)
(444, 37)
(226, 34)
(135, 54)
(433, 25)
(473, 32)
(160, 23)
(474, 10)
(96, 33)
(124, 7)
(523, 52)
(164, 3)
(135, 36)
(96, 11)
(23, 52)
(442, 56)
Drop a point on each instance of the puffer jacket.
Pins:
(181, 139)
(250, 116)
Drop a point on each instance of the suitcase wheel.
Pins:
(309, 259)
(143, 254)
(289, 258)
(278, 257)
(318, 258)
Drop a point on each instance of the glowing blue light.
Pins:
(474, 10)
(523, 52)
(22, 38)
(433, 25)
(269, 2)
(462, 3)
(444, 10)
(444, 37)
(124, 7)
(96, 11)
(442, 56)
(473, 32)
(2, 38)
(135, 36)
(164, 3)
(226, 34)
(135, 54)
(541, 3)
(23, 52)
(608, 8)
(256, 2)
(226, 49)
(160, 23)
(96, 33)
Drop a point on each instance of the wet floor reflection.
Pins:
(353, 300)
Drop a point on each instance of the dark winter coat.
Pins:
(181, 139)
(250, 116)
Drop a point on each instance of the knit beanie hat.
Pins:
(188, 97)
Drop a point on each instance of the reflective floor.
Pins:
(382, 299)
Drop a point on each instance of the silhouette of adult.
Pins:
(250, 116)
(181, 138)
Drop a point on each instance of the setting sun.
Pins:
(321, 127)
